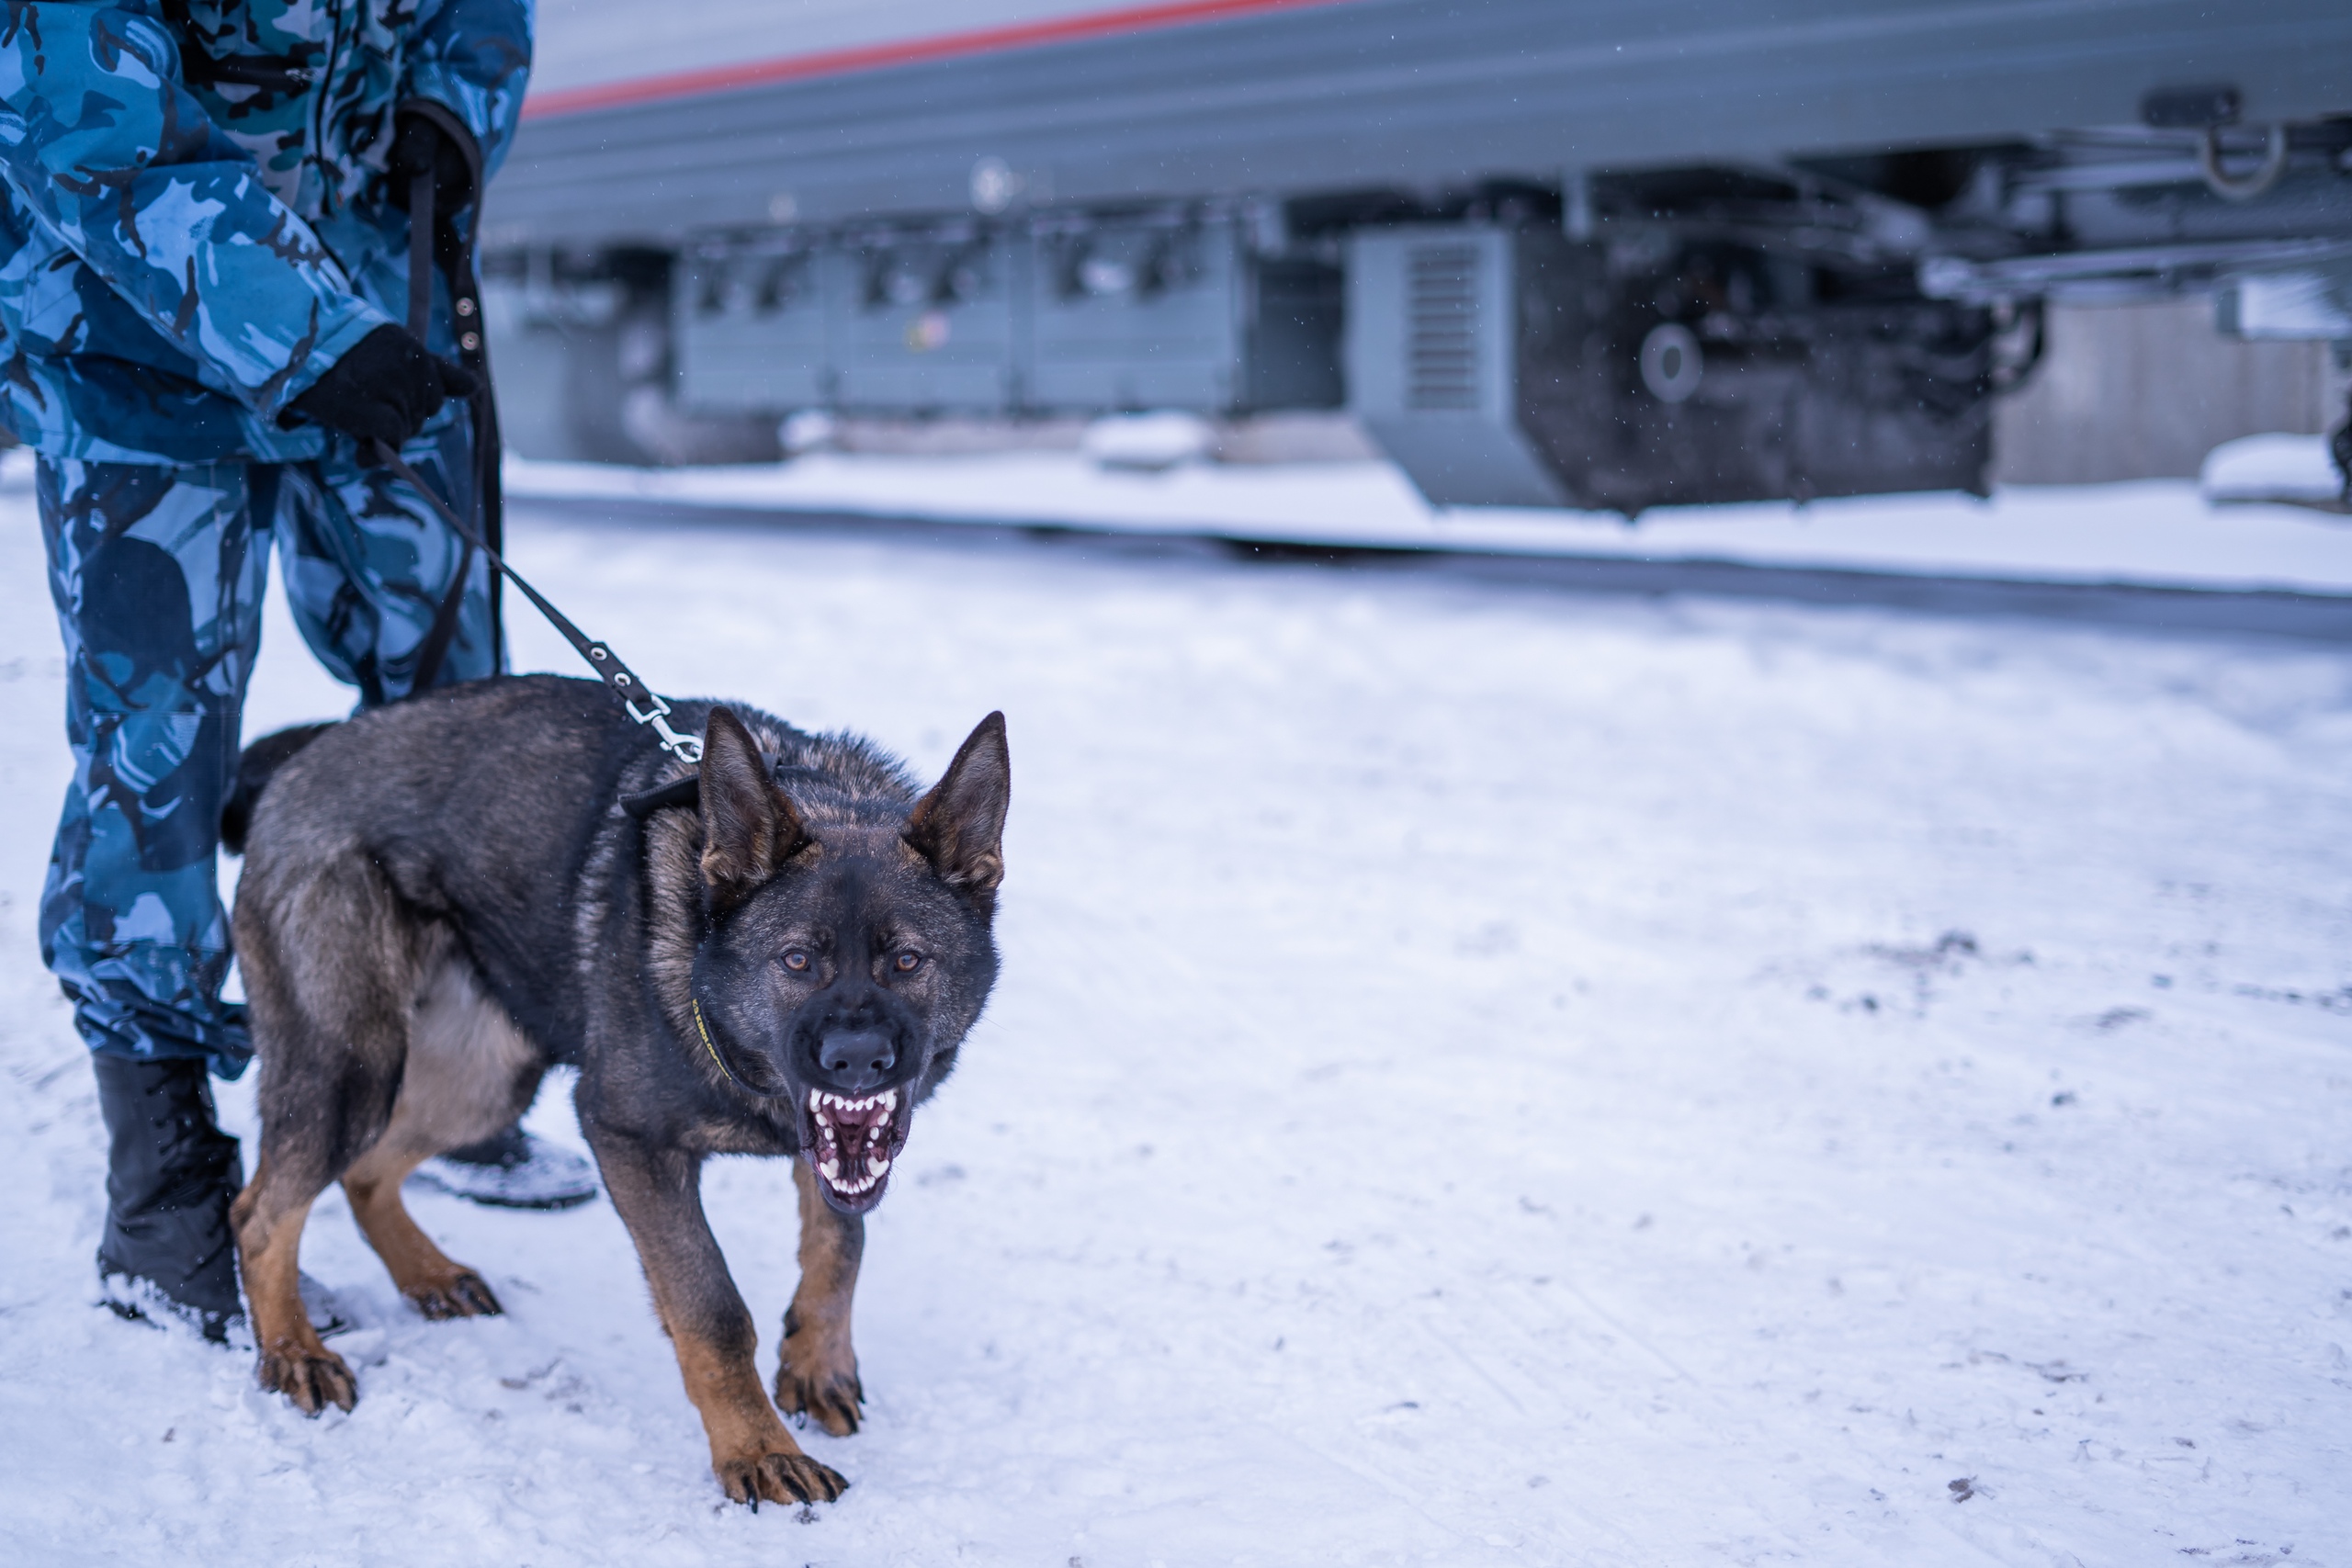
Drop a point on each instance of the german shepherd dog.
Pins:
(444, 897)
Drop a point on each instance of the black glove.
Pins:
(383, 388)
(423, 144)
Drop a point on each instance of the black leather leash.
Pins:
(436, 239)
(429, 233)
(617, 677)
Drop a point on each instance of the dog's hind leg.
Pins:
(658, 1192)
(324, 963)
(817, 1375)
(469, 1074)
(294, 1361)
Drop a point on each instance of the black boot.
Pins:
(514, 1171)
(170, 1174)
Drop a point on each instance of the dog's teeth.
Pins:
(831, 1168)
(881, 1164)
(889, 1099)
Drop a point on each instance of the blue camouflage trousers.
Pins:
(157, 573)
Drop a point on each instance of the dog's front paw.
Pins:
(312, 1376)
(778, 1478)
(812, 1381)
(462, 1293)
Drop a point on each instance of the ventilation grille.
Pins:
(1442, 329)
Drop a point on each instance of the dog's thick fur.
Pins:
(444, 897)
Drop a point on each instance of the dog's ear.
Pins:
(748, 828)
(959, 826)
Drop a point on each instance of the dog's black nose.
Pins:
(856, 1059)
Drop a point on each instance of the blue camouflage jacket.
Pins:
(194, 223)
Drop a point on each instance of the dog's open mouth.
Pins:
(854, 1142)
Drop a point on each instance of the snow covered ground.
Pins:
(1482, 1076)
(2156, 532)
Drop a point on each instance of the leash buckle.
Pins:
(685, 748)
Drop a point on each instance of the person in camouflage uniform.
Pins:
(204, 264)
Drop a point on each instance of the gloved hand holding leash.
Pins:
(384, 389)
(382, 392)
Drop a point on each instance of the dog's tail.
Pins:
(259, 763)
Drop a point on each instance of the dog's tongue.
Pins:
(852, 1154)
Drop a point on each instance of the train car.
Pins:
(1587, 252)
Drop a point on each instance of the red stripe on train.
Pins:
(868, 57)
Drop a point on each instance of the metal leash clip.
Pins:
(685, 748)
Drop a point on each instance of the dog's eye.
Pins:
(908, 960)
(796, 960)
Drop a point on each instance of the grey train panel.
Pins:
(1137, 316)
(1133, 314)
(1433, 369)
(1374, 92)
(930, 323)
(750, 331)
